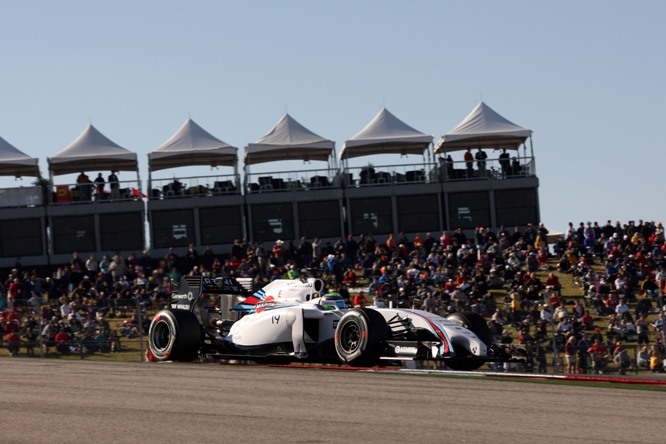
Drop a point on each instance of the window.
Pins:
(468, 210)
(21, 237)
(172, 228)
(73, 233)
(220, 225)
(319, 219)
(418, 213)
(516, 207)
(272, 221)
(371, 216)
(122, 231)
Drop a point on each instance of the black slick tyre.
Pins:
(174, 336)
(477, 325)
(359, 335)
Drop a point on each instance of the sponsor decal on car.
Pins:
(267, 303)
(189, 296)
(405, 350)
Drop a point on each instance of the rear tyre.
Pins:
(477, 325)
(174, 336)
(359, 335)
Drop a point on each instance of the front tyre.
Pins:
(358, 337)
(477, 325)
(174, 336)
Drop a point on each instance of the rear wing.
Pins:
(186, 293)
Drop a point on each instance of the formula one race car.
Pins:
(294, 321)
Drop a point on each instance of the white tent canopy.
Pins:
(92, 151)
(14, 162)
(386, 134)
(483, 127)
(192, 145)
(289, 140)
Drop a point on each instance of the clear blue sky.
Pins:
(588, 77)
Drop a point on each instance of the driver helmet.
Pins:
(328, 301)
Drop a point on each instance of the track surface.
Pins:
(63, 402)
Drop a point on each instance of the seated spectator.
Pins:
(62, 342)
(554, 282)
(587, 321)
(599, 355)
(359, 300)
(656, 361)
(643, 358)
(642, 330)
(623, 361)
(564, 327)
(349, 277)
(561, 312)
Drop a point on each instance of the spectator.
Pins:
(84, 186)
(481, 157)
(114, 184)
(656, 360)
(623, 361)
(570, 349)
(13, 343)
(359, 299)
(99, 186)
(62, 341)
(600, 356)
(469, 162)
(643, 358)
(505, 162)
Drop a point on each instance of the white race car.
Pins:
(290, 320)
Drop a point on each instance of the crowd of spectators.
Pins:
(506, 276)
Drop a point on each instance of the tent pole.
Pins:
(51, 186)
(532, 154)
(138, 181)
(149, 190)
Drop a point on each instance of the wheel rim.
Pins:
(161, 337)
(350, 337)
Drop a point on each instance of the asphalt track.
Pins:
(69, 401)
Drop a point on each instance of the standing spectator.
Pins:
(99, 185)
(85, 186)
(262, 257)
(92, 267)
(570, 349)
(481, 157)
(505, 162)
(278, 253)
(15, 294)
(115, 185)
(305, 252)
(583, 355)
(390, 243)
(191, 256)
(316, 250)
(237, 250)
(469, 162)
